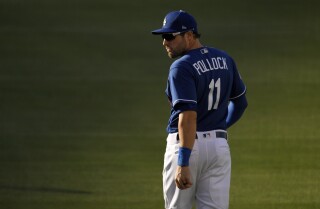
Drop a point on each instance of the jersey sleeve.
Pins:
(182, 89)
(238, 87)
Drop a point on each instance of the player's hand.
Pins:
(183, 177)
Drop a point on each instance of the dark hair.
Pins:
(196, 35)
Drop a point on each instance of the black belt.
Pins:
(219, 134)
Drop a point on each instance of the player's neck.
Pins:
(195, 45)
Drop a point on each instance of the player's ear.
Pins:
(191, 37)
(190, 34)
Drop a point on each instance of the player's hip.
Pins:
(210, 147)
(173, 138)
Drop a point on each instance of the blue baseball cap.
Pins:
(177, 21)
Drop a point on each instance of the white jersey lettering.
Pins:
(215, 63)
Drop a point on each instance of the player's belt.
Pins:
(219, 134)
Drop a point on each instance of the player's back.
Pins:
(213, 73)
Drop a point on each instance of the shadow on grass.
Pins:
(44, 189)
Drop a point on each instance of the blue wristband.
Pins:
(184, 155)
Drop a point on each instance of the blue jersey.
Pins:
(203, 80)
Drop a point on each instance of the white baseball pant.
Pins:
(210, 166)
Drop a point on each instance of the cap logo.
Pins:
(184, 27)
(164, 22)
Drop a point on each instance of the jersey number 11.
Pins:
(213, 85)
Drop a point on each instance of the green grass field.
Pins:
(83, 111)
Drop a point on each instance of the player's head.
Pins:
(179, 32)
(176, 22)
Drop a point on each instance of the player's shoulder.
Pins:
(203, 54)
(221, 53)
(182, 67)
(217, 51)
(181, 63)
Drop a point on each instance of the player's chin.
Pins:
(172, 55)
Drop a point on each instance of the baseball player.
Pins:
(207, 96)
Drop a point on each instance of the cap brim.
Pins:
(162, 31)
(168, 30)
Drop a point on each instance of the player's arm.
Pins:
(187, 128)
(184, 100)
(236, 108)
(187, 131)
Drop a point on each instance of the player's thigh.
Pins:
(174, 197)
(214, 183)
(168, 174)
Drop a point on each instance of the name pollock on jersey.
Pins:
(215, 63)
